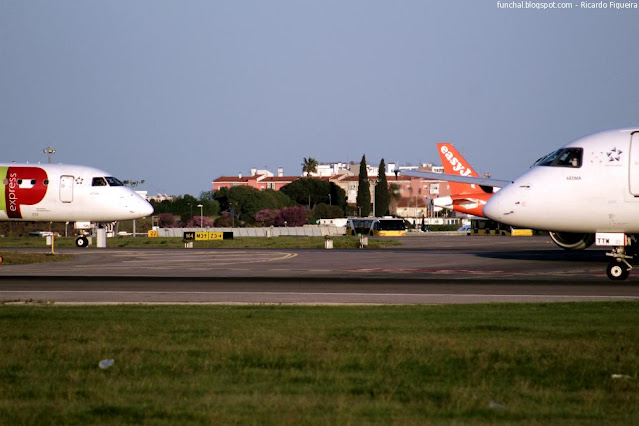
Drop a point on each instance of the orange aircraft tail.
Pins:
(455, 164)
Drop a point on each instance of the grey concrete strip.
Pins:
(425, 270)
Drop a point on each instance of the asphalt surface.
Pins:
(425, 269)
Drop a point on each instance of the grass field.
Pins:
(21, 258)
(479, 364)
(248, 242)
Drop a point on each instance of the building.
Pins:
(260, 179)
(411, 195)
(408, 190)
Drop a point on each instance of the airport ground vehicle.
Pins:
(381, 227)
(465, 229)
(359, 225)
(388, 227)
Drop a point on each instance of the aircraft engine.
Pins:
(572, 241)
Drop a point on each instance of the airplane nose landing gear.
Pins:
(618, 269)
(82, 241)
(624, 250)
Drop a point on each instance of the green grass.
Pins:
(247, 242)
(544, 363)
(22, 258)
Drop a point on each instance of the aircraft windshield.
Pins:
(113, 181)
(106, 181)
(98, 181)
(564, 157)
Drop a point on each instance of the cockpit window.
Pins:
(564, 157)
(106, 181)
(113, 181)
(99, 181)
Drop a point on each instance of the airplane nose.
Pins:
(496, 207)
(146, 209)
(491, 208)
(505, 206)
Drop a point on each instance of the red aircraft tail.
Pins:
(455, 164)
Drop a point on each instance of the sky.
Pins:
(180, 92)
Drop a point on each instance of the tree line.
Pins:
(305, 200)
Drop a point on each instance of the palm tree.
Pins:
(309, 166)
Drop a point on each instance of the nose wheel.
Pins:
(618, 270)
(82, 241)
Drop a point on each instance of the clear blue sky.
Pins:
(180, 92)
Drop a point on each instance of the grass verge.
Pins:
(23, 258)
(247, 242)
(479, 364)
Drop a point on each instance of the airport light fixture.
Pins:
(201, 215)
(133, 183)
(49, 150)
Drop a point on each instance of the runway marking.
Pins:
(210, 260)
(593, 271)
(431, 271)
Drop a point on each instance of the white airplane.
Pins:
(471, 199)
(587, 190)
(66, 193)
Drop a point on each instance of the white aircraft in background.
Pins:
(66, 193)
(587, 190)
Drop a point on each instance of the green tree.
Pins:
(382, 193)
(206, 195)
(313, 191)
(325, 211)
(309, 165)
(245, 201)
(186, 207)
(363, 190)
(395, 194)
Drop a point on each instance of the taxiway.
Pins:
(425, 269)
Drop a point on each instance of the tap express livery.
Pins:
(66, 193)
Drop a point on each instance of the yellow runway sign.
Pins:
(209, 236)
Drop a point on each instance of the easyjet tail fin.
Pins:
(455, 164)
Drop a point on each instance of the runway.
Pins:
(425, 269)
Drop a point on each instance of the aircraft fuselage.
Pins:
(597, 192)
(57, 193)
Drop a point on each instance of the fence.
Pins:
(291, 231)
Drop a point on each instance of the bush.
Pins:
(267, 217)
(167, 220)
(196, 222)
(292, 216)
(224, 221)
(325, 211)
(287, 216)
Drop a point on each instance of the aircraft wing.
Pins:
(495, 183)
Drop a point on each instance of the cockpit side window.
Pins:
(113, 181)
(99, 181)
(570, 157)
(564, 157)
